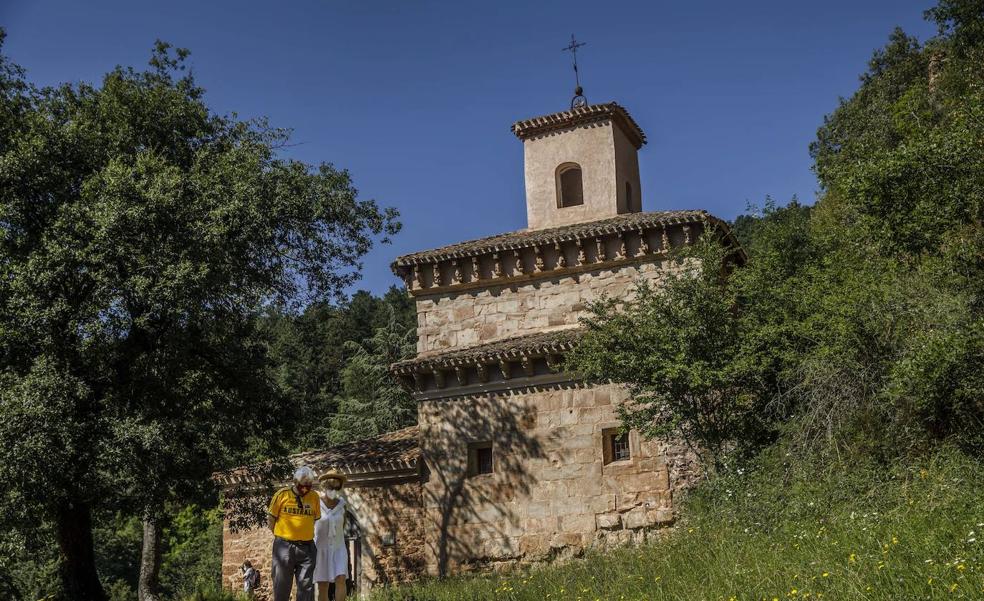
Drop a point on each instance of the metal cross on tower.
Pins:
(579, 100)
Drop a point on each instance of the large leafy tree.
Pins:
(141, 235)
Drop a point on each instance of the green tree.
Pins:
(703, 352)
(371, 402)
(857, 325)
(311, 352)
(141, 236)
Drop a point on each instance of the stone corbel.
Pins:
(504, 367)
(582, 257)
(665, 241)
(496, 266)
(686, 234)
(456, 276)
(527, 363)
(483, 372)
(622, 252)
(538, 260)
(561, 259)
(462, 374)
(437, 274)
(418, 276)
(643, 246)
(519, 263)
(476, 273)
(600, 248)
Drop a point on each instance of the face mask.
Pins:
(331, 493)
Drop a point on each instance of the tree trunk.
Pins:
(78, 560)
(149, 586)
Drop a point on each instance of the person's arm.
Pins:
(273, 513)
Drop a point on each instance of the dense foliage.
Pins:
(857, 325)
(141, 239)
(332, 359)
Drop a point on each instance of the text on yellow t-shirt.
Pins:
(295, 522)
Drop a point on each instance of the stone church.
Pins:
(513, 461)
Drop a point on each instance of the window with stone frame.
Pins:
(480, 458)
(570, 189)
(615, 443)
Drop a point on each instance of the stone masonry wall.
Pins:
(448, 321)
(392, 532)
(550, 494)
(392, 542)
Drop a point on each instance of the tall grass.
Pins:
(787, 530)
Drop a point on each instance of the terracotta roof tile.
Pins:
(528, 238)
(540, 343)
(588, 114)
(397, 450)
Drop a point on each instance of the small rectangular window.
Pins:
(480, 458)
(616, 445)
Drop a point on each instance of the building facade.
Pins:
(513, 461)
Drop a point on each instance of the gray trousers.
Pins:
(293, 561)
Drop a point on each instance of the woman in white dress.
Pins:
(329, 538)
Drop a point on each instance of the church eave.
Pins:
(505, 363)
(519, 256)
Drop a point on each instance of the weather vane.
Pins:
(579, 100)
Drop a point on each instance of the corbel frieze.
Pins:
(414, 276)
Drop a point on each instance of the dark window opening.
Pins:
(616, 445)
(570, 192)
(629, 201)
(480, 458)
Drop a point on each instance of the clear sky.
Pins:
(416, 98)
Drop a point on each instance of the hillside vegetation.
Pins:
(784, 531)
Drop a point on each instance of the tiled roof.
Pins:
(628, 222)
(540, 343)
(588, 114)
(397, 450)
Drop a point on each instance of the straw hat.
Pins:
(334, 475)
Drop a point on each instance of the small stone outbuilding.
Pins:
(513, 461)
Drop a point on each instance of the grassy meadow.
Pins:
(781, 532)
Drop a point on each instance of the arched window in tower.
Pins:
(570, 191)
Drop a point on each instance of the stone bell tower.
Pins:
(581, 165)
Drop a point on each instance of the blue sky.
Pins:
(416, 98)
